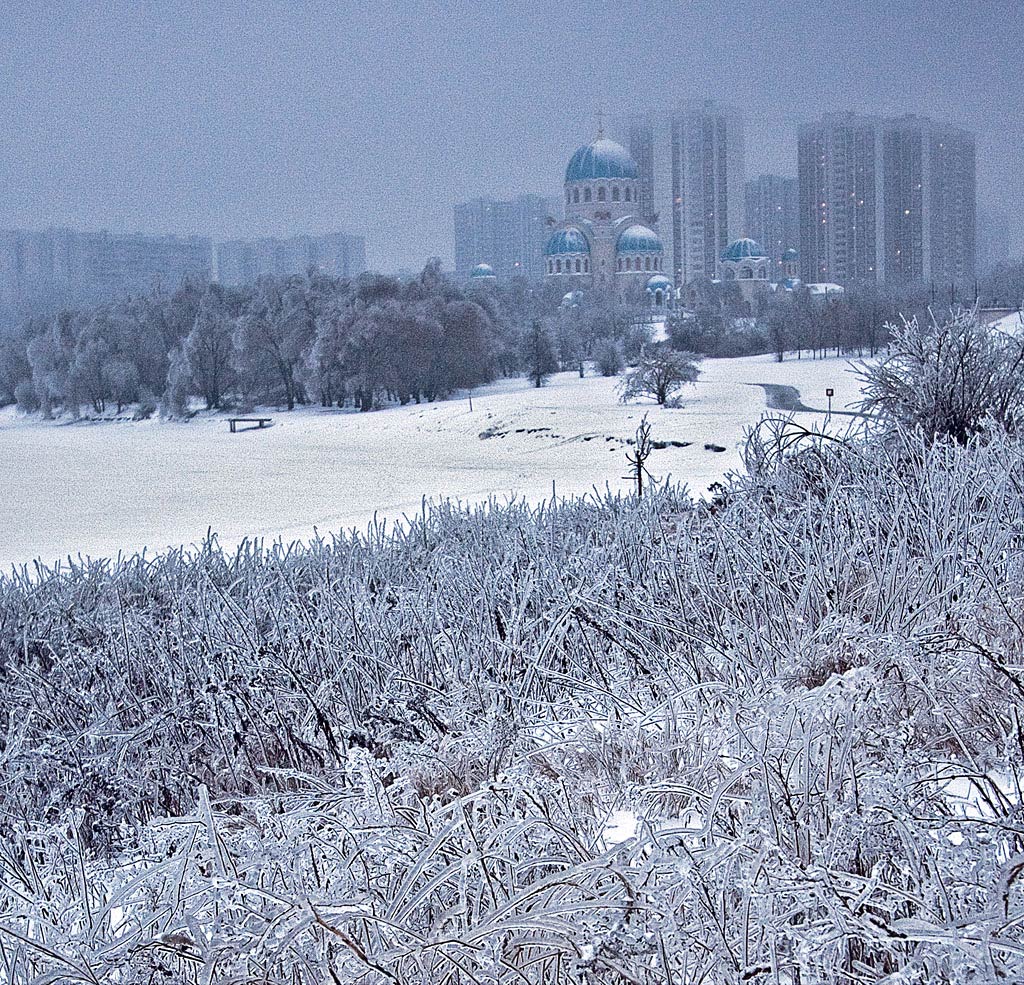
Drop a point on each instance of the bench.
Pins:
(260, 422)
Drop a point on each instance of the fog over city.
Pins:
(254, 119)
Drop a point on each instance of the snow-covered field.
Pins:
(96, 489)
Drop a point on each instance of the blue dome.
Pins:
(743, 249)
(566, 241)
(659, 282)
(601, 159)
(791, 254)
(483, 270)
(638, 239)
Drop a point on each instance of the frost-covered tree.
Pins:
(209, 346)
(271, 338)
(538, 353)
(660, 374)
(609, 358)
(174, 403)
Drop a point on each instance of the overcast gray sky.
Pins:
(238, 119)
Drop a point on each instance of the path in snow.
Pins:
(787, 398)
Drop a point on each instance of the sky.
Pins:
(234, 119)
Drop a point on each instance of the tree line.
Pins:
(308, 339)
(375, 340)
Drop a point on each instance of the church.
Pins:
(601, 244)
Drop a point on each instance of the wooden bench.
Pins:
(260, 422)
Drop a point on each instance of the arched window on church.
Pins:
(577, 264)
(647, 263)
(586, 194)
(615, 193)
(600, 193)
(628, 194)
(568, 198)
(558, 266)
(629, 263)
(576, 196)
(586, 265)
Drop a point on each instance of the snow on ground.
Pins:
(1011, 324)
(96, 489)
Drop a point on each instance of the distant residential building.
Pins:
(886, 200)
(68, 266)
(691, 163)
(773, 218)
(839, 170)
(507, 235)
(243, 261)
(642, 133)
(929, 211)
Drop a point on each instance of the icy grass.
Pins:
(770, 738)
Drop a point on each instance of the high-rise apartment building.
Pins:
(773, 217)
(691, 163)
(929, 202)
(67, 266)
(886, 200)
(243, 261)
(508, 235)
(641, 132)
(839, 170)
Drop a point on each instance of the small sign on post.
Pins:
(830, 393)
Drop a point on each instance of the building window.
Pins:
(586, 266)
(615, 193)
(647, 263)
(586, 194)
(600, 193)
(576, 196)
(558, 266)
(628, 194)
(629, 263)
(577, 265)
(567, 198)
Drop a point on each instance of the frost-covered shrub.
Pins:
(947, 378)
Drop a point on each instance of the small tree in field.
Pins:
(637, 457)
(660, 374)
(538, 353)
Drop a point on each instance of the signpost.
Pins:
(830, 393)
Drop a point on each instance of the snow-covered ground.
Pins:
(96, 489)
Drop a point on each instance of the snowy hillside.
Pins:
(100, 489)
